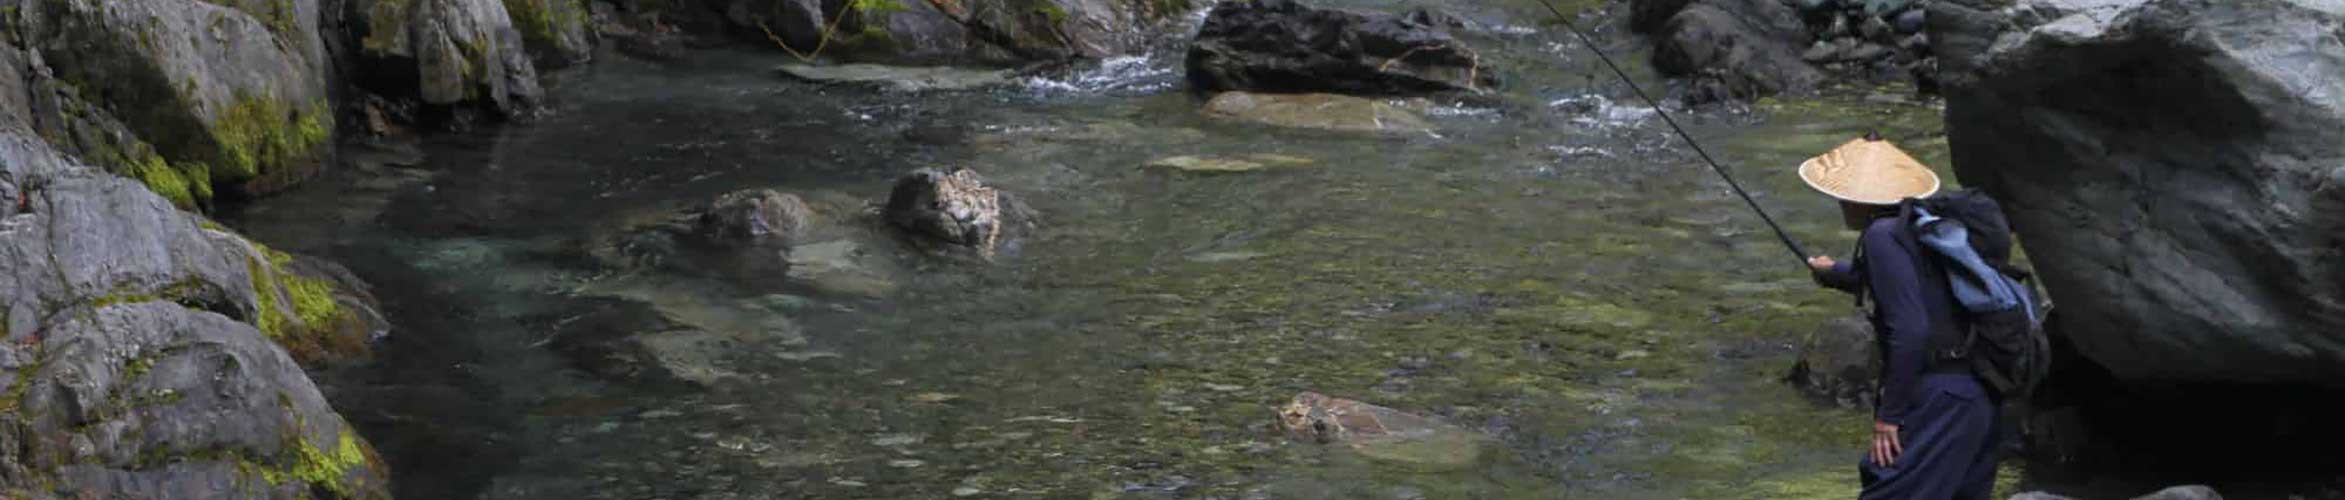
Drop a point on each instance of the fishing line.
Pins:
(1796, 251)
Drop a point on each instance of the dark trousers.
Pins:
(1950, 449)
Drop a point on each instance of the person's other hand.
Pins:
(1821, 263)
(1886, 448)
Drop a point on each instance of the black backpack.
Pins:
(2004, 342)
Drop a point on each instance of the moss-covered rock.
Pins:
(557, 32)
(139, 366)
(232, 95)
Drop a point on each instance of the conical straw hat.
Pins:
(1871, 172)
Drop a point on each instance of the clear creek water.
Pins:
(1552, 269)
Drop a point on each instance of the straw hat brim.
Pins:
(1869, 172)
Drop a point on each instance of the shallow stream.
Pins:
(1552, 268)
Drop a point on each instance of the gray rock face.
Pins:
(557, 33)
(1284, 46)
(147, 349)
(1841, 363)
(1749, 48)
(2174, 168)
(2174, 493)
(445, 52)
(238, 87)
(944, 31)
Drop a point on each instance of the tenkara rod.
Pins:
(1796, 251)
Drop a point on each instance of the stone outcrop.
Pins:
(148, 349)
(557, 33)
(444, 53)
(2174, 493)
(1284, 46)
(928, 31)
(227, 95)
(2174, 169)
(1743, 48)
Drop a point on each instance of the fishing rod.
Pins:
(1796, 251)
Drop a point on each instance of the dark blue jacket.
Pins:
(1910, 300)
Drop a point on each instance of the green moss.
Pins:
(386, 25)
(1051, 10)
(542, 22)
(323, 467)
(315, 317)
(262, 137)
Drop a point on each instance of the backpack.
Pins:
(2004, 343)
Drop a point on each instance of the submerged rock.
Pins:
(1381, 433)
(1248, 163)
(2173, 167)
(900, 78)
(1283, 46)
(841, 267)
(956, 208)
(1318, 111)
(1750, 47)
(1841, 363)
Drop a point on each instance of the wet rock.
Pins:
(444, 53)
(239, 88)
(148, 348)
(751, 218)
(2193, 492)
(1840, 362)
(1283, 46)
(1247, 163)
(641, 36)
(934, 31)
(557, 33)
(899, 78)
(1912, 21)
(2135, 119)
(2174, 493)
(1750, 47)
(1647, 16)
(955, 207)
(1381, 433)
(1318, 111)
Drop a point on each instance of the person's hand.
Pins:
(1821, 263)
(1886, 448)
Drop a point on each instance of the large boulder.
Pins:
(1742, 48)
(152, 354)
(2176, 169)
(232, 93)
(935, 31)
(557, 32)
(1284, 46)
(445, 53)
